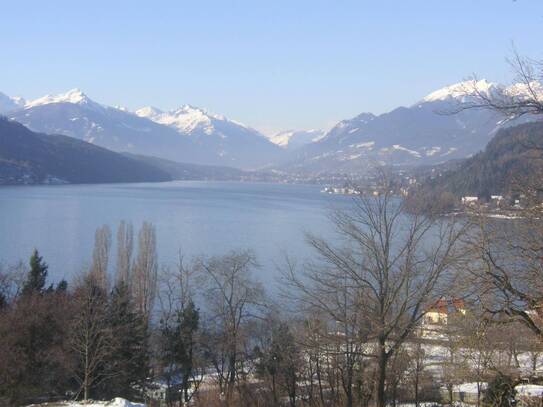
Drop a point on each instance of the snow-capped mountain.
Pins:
(293, 139)
(74, 96)
(8, 104)
(418, 134)
(424, 133)
(462, 91)
(187, 119)
(187, 134)
(230, 140)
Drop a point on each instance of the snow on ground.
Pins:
(116, 402)
(469, 387)
(529, 390)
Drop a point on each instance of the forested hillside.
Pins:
(513, 157)
(33, 158)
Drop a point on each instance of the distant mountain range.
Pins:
(424, 133)
(32, 158)
(187, 134)
(421, 134)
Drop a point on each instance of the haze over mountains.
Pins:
(422, 133)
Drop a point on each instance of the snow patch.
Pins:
(529, 390)
(461, 89)
(432, 151)
(116, 402)
(367, 144)
(400, 148)
(75, 96)
(284, 138)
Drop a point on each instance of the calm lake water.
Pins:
(194, 217)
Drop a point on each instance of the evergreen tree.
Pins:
(500, 392)
(37, 275)
(179, 349)
(189, 325)
(280, 361)
(128, 364)
(62, 286)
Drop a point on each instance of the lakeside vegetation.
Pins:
(355, 326)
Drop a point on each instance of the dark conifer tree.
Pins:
(37, 275)
(129, 361)
(189, 326)
(178, 350)
(62, 286)
(500, 392)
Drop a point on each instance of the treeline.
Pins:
(349, 327)
(91, 338)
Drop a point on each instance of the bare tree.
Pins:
(12, 281)
(453, 368)
(145, 270)
(396, 260)
(180, 344)
(523, 98)
(233, 298)
(125, 247)
(100, 256)
(509, 266)
(323, 290)
(90, 336)
(479, 349)
(510, 270)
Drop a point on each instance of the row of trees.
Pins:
(346, 331)
(91, 338)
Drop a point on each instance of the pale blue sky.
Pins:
(270, 64)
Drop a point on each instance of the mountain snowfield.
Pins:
(187, 134)
(425, 133)
(293, 139)
(186, 119)
(413, 135)
(458, 91)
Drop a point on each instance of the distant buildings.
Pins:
(469, 200)
(341, 191)
(437, 317)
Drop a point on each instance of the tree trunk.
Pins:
(274, 390)
(381, 379)
(319, 379)
(349, 387)
(417, 387)
(86, 374)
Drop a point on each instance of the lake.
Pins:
(192, 217)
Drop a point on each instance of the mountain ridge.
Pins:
(27, 157)
(223, 142)
(419, 134)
